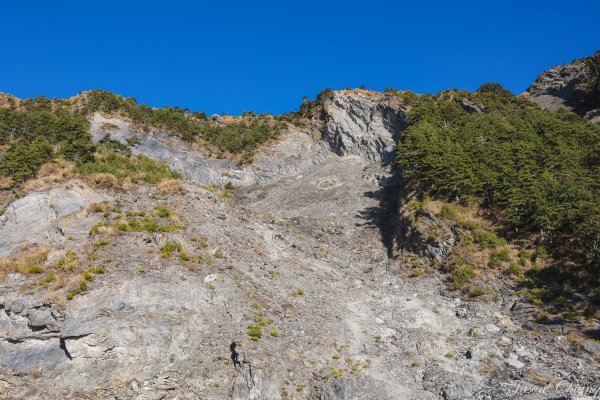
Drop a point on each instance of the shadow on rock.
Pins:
(384, 216)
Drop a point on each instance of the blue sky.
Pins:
(230, 56)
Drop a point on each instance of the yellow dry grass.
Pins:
(172, 186)
(6, 183)
(50, 173)
(56, 297)
(25, 262)
(102, 180)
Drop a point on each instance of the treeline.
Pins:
(241, 137)
(38, 131)
(176, 120)
(590, 96)
(537, 170)
(34, 131)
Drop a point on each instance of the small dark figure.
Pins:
(63, 346)
(234, 355)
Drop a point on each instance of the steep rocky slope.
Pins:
(299, 267)
(571, 86)
(294, 153)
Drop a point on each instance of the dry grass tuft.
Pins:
(172, 186)
(101, 207)
(27, 262)
(56, 297)
(6, 183)
(52, 172)
(103, 180)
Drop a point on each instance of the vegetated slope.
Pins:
(138, 286)
(240, 136)
(534, 171)
(537, 168)
(574, 86)
(35, 131)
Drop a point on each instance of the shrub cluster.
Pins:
(536, 169)
(241, 137)
(37, 131)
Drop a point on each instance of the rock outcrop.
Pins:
(570, 86)
(364, 123)
(295, 152)
(42, 218)
(298, 268)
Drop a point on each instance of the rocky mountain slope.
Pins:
(574, 87)
(299, 283)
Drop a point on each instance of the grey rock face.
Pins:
(154, 327)
(364, 124)
(291, 155)
(29, 335)
(44, 217)
(41, 318)
(471, 107)
(254, 385)
(566, 86)
(142, 319)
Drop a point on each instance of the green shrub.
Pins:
(72, 294)
(88, 276)
(169, 248)
(23, 159)
(477, 291)
(462, 274)
(140, 169)
(36, 269)
(96, 270)
(69, 261)
(449, 211)
(255, 332)
(146, 224)
(261, 320)
(133, 141)
(163, 211)
(487, 239)
(515, 269)
(497, 257)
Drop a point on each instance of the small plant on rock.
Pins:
(169, 248)
(255, 332)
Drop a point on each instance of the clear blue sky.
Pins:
(228, 56)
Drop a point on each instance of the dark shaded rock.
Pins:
(40, 318)
(471, 107)
(570, 86)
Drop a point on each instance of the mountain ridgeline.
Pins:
(535, 171)
(34, 131)
(370, 244)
